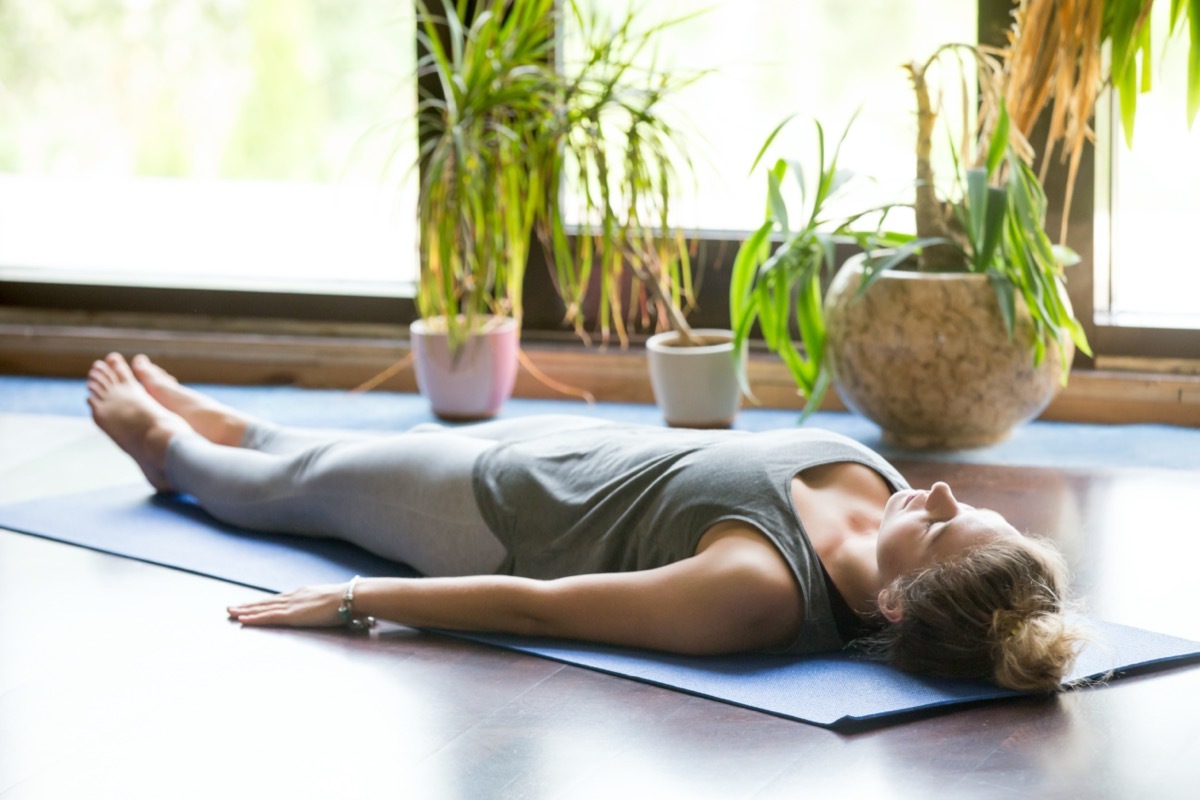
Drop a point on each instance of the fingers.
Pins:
(266, 617)
(256, 610)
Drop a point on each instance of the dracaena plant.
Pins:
(508, 126)
(486, 141)
(624, 158)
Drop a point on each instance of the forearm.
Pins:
(498, 603)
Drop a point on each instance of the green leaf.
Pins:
(798, 171)
(1126, 86)
(840, 179)
(742, 326)
(1075, 328)
(810, 319)
(768, 323)
(1144, 45)
(745, 267)
(1064, 255)
(828, 248)
(1193, 90)
(815, 397)
(876, 266)
(1006, 298)
(976, 203)
(993, 229)
(762, 150)
(777, 207)
(1177, 7)
(999, 144)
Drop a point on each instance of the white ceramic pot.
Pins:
(696, 387)
(477, 384)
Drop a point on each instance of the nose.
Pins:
(940, 502)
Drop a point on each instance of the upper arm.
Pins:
(737, 594)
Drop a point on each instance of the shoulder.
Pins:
(744, 562)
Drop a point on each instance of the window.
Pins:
(1147, 195)
(822, 59)
(256, 151)
(768, 59)
(232, 144)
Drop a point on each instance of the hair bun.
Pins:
(1033, 650)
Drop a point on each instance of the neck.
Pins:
(841, 506)
(853, 568)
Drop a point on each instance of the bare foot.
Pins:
(132, 418)
(213, 420)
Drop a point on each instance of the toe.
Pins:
(142, 368)
(147, 371)
(100, 373)
(120, 366)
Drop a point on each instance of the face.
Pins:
(925, 527)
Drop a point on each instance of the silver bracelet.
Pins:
(345, 611)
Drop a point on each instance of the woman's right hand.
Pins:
(306, 607)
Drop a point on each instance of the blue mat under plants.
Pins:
(1037, 444)
(836, 690)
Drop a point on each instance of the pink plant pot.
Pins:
(474, 386)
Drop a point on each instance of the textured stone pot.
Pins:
(926, 357)
(695, 387)
(477, 384)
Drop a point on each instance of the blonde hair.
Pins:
(995, 613)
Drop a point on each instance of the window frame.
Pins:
(1111, 341)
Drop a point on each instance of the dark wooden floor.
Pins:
(121, 679)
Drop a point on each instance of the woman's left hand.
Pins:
(306, 607)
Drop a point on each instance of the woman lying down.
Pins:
(697, 542)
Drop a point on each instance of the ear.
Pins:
(890, 605)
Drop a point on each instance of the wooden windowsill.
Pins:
(63, 344)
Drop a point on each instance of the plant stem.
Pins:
(931, 219)
(674, 315)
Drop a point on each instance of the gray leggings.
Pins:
(408, 496)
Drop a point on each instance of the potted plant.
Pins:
(486, 143)
(977, 337)
(627, 263)
(975, 334)
(503, 134)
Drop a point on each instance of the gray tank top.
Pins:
(620, 498)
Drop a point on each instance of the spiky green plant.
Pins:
(504, 131)
(487, 140)
(625, 159)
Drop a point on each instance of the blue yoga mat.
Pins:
(836, 690)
